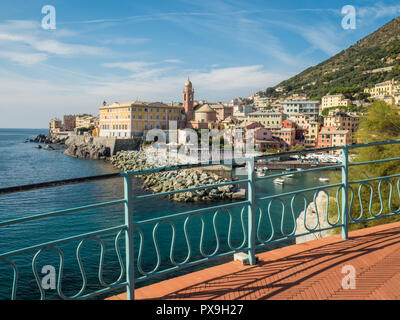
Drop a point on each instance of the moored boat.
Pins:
(279, 181)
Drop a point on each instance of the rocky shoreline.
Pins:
(41, 138)
(86, 149)
(175, 180)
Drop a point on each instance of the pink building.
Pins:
(262, 134)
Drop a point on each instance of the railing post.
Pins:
(129, 249)
(251, 195)
(345, 193)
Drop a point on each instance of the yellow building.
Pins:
(125, 120)
(387, 88)
(268, 118)
(55, 126)
(301, 120)
(86, 121)
(337, 100)
(342, 120)
(311, 135)
(261, 102)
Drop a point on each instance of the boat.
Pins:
(299, 169)
(279, 181)
(324, 179)
(290, 176)
(260, 174)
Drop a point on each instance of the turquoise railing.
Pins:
(255, 213)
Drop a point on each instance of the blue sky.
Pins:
(124, 50)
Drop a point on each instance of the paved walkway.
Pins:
(311, 270)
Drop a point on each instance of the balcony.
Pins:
(263, 226)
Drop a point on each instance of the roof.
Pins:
(138, 104)
(230, 119)
(217, 106)
(205, 108)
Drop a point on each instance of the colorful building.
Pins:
(309, 108)
(286, 134)
(55, 126)
(387, 88)
(125, 120)
(69, 122)
(342, 120)
(86, 121)
(336, 100)
(222, 111)
(311, 135)
(268, 118)
(332, 137)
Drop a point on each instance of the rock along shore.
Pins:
(174, 180)
(84, 147)
(41, 138)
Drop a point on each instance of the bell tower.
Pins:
(188, 100)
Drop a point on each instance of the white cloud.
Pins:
(24, 58)
(379, 10)
(321, 38)
(172, 61)
(125, 41)
(134, 66)
(218, 83)
(21, 37)
(40, 99)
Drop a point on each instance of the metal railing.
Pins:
(257, 216)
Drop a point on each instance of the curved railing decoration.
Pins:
(255, 222)
(188, 243)
(15, 277)
(371, 191)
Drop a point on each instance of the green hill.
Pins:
(350, 71)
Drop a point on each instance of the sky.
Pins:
(127, 50)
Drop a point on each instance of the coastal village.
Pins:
(279, 124)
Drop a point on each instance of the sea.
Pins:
(21, 163)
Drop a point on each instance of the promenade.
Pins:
(307, 271)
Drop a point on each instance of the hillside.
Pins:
(353, 69)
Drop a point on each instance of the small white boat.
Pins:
(298, 169)
(324, 179)
(290, 176)
(260, 174)
(279, 181)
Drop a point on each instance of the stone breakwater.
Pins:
(175, 180)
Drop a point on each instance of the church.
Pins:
(198, 116)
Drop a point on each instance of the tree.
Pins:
(380, 122)
(270, 92)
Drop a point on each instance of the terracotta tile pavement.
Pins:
(311, 270)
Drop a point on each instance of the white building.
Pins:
(293, 107)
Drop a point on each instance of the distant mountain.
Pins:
(373, 59)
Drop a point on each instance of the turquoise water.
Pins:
(21, 163)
